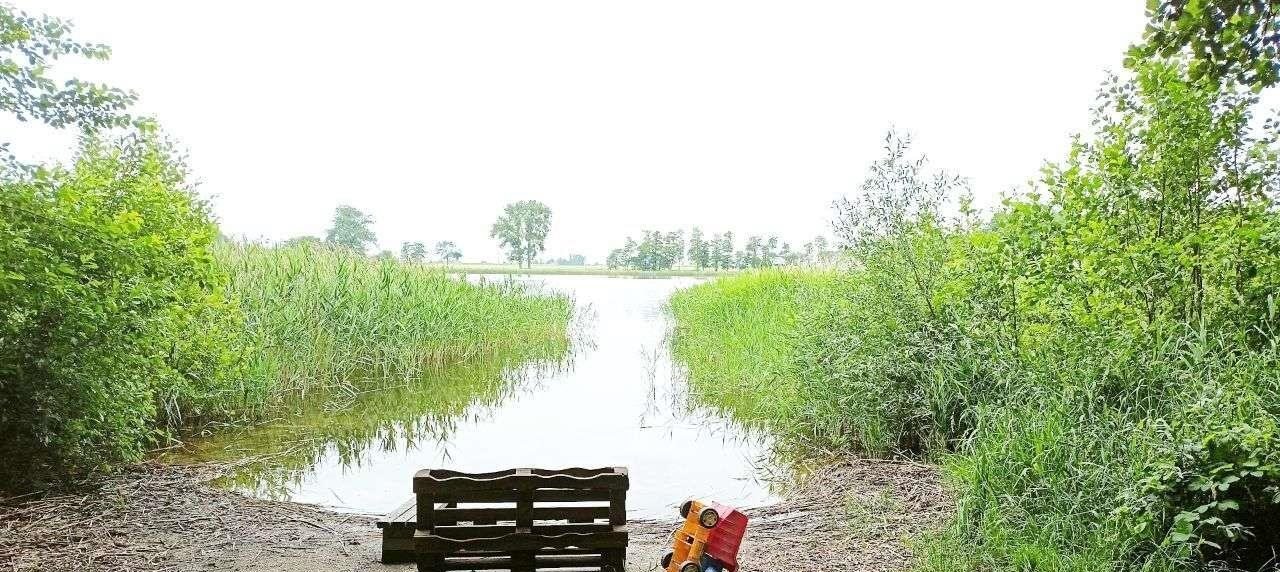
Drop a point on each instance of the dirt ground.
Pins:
(851, 515)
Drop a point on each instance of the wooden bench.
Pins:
(520, 520)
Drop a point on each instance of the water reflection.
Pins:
(612, 397)
(272, 459)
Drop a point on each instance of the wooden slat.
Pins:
(539, 495)
(442, 487)
(573, 471)
(541, 561)
(433, 544)
(488, 514)
(405, 513)
(466, 531)
(405, 516)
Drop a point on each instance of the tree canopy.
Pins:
(28, 47)
(1227, 39)
(413, 251)
(448, 251)
(522, 230)
(351, 229)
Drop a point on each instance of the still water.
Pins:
(617, 400)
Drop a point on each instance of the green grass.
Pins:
(327, 321)
(553, 269)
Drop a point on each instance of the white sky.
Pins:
(739, 115)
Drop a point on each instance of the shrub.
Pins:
(1095, 365)
(108, 297)
(1213, 492)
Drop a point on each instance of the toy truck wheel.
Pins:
(685, 508)
(666, 560)
(690, 567)
(709, 518)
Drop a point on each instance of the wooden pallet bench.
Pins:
(520, 520)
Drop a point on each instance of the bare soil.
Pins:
(851, 515)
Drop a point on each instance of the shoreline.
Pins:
(851, 515)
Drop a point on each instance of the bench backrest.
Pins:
(523, 497)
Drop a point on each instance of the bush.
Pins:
(108, 298)
(1213, 491)
(1096, 365)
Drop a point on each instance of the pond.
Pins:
(616, 400)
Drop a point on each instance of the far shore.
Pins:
(587, 270)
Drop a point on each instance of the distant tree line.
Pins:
(521, 230)
(664, 250)
(352, 229)
(655, 251)
(571, 260)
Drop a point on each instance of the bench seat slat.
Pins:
(432, 544)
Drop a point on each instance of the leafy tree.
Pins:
(713, 252)
(28, 46)
(1227, 39)
(413, 251)
(448, 251)
(769, 252)
(351, 229)
(624, 257)
(817, 251)
(522, 230)
(699, 249)
(572, 260)
(722, 251)
(655, 251)
(789, 257)
(673, 248)
(755, 253)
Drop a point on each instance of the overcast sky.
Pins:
(621, 116)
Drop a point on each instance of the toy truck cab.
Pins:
(708, 539)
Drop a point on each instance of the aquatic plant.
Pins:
(318, 319)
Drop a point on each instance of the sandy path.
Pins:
(852, 515)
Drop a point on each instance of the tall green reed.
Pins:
(328, 320)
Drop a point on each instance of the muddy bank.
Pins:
(852, 515)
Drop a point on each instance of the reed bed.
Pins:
(734, 338)
(328, 320)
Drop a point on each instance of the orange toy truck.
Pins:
(707, 540)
